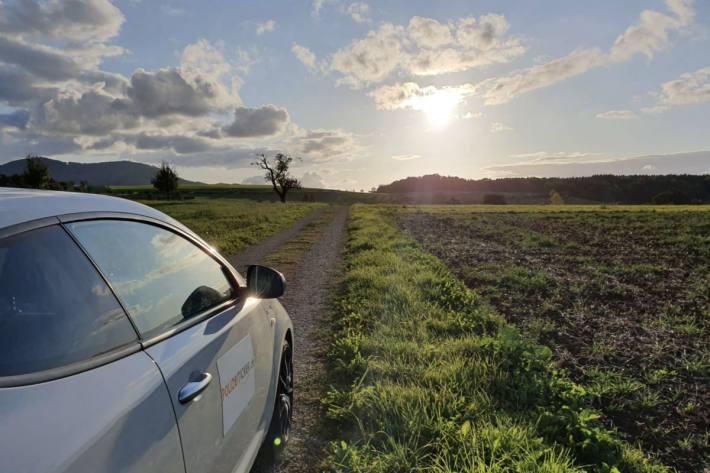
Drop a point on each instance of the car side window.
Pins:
(55, 309)
(160, 277)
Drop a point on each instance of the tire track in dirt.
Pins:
(305, 300)
(256, 253)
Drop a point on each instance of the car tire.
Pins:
(280, 427)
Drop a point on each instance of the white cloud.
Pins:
(73, 21)
(472, 115)
(372, 58)
(410, 95)
(648, 168)
(618, 115)
(648, 37)
(500, 90)
(359, 11)
(304, 55)
(405, 157)
(651, 34)
(254, 180)
(265, 27)
(425, 47)
(497, 127)
(689, 88)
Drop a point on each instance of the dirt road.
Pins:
(305, 300)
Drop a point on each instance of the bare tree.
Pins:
(277, 173)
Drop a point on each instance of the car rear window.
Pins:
(55, 309)
(161, 277)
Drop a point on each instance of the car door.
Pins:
(214, 349)
(77, 394)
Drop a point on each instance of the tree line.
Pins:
(636, 189)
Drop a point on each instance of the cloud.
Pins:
(587, 165)
(268, 120)
(41, 61)
(410, 95)
(651, 34)
(359, 11)
(425, 47)
(266, 27)
(617, 115)
(405, 157)
(546, 157)
(317, 5)
(323, 145)
(371, 59)
(504, 89)
(690, 88)
(304, 55)
(497, 127)
(74, 21)
(312, 180)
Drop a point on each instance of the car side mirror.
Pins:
(264, 282)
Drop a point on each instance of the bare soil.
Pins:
(623, 301)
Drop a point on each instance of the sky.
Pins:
(363, 93)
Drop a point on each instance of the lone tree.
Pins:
(37, 172)
(166, 179)
(277, 173)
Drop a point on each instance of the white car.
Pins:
(127, 344)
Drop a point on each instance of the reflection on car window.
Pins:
(55, 309)
(160, 277)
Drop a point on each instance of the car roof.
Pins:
(24, 205)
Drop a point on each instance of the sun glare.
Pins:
(439, 107)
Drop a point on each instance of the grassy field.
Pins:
(426, 376)
(232, 225)
(621, 295)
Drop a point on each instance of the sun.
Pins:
(439, 107)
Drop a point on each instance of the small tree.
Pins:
(37, 172)
(556, 198)
(277, 173)
(166, 179)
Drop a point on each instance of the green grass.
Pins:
(426, 377)
(232, 225)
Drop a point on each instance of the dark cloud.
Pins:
(178, 143)
(41, 61)
(166, 92)
(16, 87)
(253, 122)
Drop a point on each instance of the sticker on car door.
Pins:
(237, 381)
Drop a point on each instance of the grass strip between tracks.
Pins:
(426, 377)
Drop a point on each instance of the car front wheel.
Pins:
(280, 427)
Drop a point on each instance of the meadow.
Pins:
(621, 295)
(232, 225)
(427, 376)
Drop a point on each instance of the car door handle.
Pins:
(193, 389)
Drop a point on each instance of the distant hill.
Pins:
(638, 189)
(107, 173)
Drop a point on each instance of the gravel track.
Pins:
(305, 300)
(256, 253)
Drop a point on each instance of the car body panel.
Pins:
(114, 418)
(197, 350)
